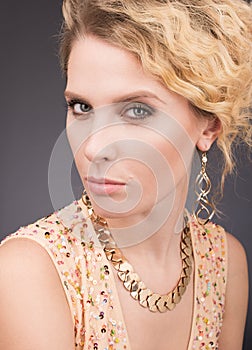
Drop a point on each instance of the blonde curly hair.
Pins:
(201, 49)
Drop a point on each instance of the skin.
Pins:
(100, 75)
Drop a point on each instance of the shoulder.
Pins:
(237, 259)
(227, 255)
(210, 242)
(41, 230)
(46, 248)
(57, 239)
(237, 276)
(236, 296)
(58, 230)
(29, 244)
(229, 249)
(25, 261)
(32, 299)
(42, 266)
(20, 251)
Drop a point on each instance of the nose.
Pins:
(99, 146)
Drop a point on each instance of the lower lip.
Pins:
(104, 188)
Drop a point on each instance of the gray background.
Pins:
(33, 116)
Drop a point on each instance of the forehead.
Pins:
(101, 73)
(95, 63)
(92, 53)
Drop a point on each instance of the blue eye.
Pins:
(137, 111)
(79, 108)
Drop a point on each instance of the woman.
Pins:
(126, 267)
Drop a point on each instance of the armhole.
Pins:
(54, 263)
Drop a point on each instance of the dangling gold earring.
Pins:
(202, 190)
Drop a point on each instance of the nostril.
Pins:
(96, 152)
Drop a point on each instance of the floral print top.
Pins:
(70, 240)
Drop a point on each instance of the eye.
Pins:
(79, 108)
(137, 111)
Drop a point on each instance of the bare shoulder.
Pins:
(32, 301)
(236, 296)
(22, 258)
(237, 259)
(21, 248)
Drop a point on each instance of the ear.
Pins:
(209, 134)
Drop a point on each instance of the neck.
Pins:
(154, 237)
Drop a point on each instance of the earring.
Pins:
(204, 209)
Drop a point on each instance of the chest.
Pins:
(148, 330)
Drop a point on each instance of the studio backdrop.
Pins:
(33, 117)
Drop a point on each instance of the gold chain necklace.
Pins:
(131, 281)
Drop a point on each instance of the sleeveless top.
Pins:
(87, 279)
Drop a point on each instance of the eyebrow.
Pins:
(125, 98)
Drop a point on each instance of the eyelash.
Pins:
(146, 109)
(71, 104)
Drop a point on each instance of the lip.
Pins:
(103, 186)
(104, 181)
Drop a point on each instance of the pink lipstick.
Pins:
(104, 186)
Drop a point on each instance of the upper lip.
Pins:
(104, 181)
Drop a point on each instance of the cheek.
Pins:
(81, 164)
(149, 162)
(72, 134)
(141, 172)
(176, 162)
(78, 132)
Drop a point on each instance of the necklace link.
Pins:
(130, 279)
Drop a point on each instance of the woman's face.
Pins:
(132, 138)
